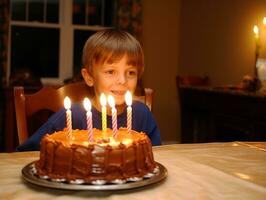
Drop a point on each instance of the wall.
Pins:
(160, 41)
(216, 38)
(197, 37)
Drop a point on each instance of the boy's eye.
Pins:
(110, 72)
(132, 72)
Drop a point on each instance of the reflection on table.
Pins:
(235, 170)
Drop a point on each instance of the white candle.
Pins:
(111, 102)
(128, 98)
(67, 104)
(103, 104)
(256, 31)
(87, 106)
(257, 50)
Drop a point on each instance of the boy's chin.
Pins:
(120, 103)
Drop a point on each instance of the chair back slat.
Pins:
(20, 109)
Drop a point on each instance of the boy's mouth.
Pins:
(118, 93)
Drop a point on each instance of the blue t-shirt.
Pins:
(142, 120)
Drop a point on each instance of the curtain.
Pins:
(129, 17)
(3, 62)
(4, 20)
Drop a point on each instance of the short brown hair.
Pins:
(111, 45)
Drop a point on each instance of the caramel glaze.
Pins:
(105, 158)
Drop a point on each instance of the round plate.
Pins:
(29, 176)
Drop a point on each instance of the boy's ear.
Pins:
(87, 77)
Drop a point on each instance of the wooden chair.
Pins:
(51, 99)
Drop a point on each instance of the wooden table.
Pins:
(235, 170)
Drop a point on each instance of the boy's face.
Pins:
(114, 79)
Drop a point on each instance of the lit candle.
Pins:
(264, 21)
(67, 104)
(257, 50)
(103, 104)
(111, 102)
(128, 97)
(256, 31)
(87, 106)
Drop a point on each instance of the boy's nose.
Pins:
(121, 79)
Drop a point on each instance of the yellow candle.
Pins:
(67, 104)
(104, 117)
(128, 98)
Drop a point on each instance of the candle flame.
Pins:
(111, 101)
(103, 100)
(128, 97)
(67, 102)
(256, 30)
(87, 104)
(264, 21)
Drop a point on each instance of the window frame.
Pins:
(66, 41)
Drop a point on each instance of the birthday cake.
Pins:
(105, 159)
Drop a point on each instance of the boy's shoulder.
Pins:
(139, 106)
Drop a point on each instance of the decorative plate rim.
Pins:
(30, 177)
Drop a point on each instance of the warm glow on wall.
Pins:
(264, 21)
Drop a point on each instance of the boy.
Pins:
(113, 61)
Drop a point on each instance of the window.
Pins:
(37, 54)
(47, 36)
